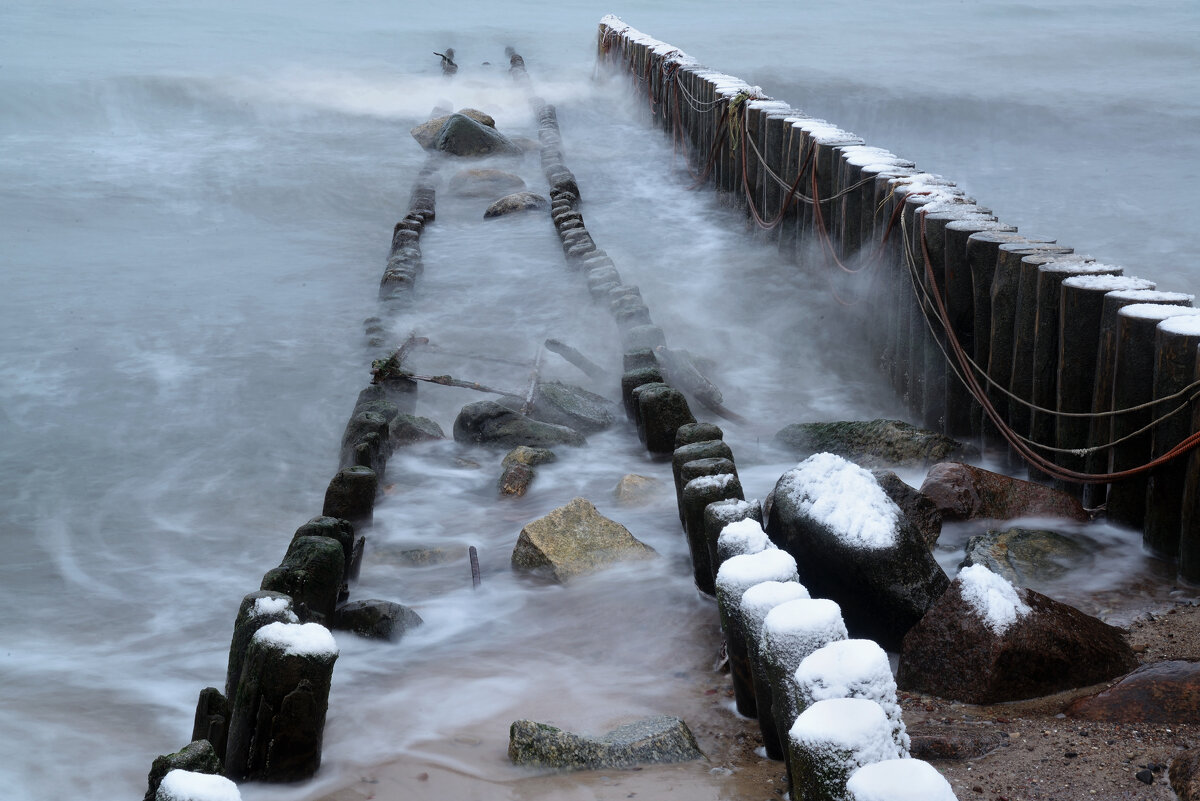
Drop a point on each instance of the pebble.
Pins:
(1144, 776)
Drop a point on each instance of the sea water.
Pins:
(196, 202)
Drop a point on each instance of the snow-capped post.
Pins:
(704, 449)
(697, 495)
(1175, 346)
(351, 495)
(961, 408)
(279, 709)
(1100, 429)
(831, 740)
(256, 610)
(898, 780)
(1081, 302)
(717, 518)
(1133, 385)
(852, 669)
(737, 575)
(790, 632)
(757, 602)
(854, 545)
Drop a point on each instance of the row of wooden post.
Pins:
(1050, 332)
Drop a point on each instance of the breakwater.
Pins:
(1045, 358)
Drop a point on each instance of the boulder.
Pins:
(871, 443)
(426, 133)
(1163, 692)
(573, 540)
(917, 507)
(485, 183)
(495, 425)
(382, 620)
(515, 480)
(963, 492)
(572, 406)
(516, 202)
(986, 642)
(408, 429)
(853, 545)
(651, 741)
(1027, 557)
(635, 490)
(197, 756)
(463, 136)
(1185, 775)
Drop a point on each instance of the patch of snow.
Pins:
(760, 599)
(1155, 311)
(1153, 296)
(742, 537)
(898, 780)
(185, 785)
(1108, 283)
(979, 225)
(991, 597)
(264, 607)
(843, 497)
(740, 573)
(794, 629)
(718, 481)
(843, 734)
(299, 639)
(852, 669)
(1188, 326)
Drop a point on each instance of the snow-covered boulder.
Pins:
(985, 641)
(573, 540)
(831, 740)
(790, 632)
(853, 544)
(852, 669)
(757, 602)
(186, 785)
(898, 780)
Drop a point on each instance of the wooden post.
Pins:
(1175, 344)
(1189, 534)
(1133, 385)
(1100, 428)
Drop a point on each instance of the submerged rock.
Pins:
(573, 540)
(650, 741)
(635, 490)
(426, 133)
(485, 183)
(572, 406)
(986, 642)
(463, 136)
(408, 429)
(493, 424)
(1027, 556)
(963, 492)
(516, 202)
(872, 443)
(383, 620)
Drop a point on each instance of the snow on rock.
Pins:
(718, 481)
(742, 537)
(852, 669)
(991, 597)
(184, 785)
(299, 639)
(264, 607)
(843, 497)
(898, 780)
(832, 739)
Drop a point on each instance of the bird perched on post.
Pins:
(448, 65)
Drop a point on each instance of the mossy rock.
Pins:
(656, 740)
(1028, 557)
(871, 443)
(574, 540)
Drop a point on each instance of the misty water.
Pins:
(195, 208)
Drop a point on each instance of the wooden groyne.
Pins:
(1008, 339)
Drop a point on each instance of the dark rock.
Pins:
(278, 718)
(197, 756)
(871, 443)
(382, 620)
(1144, 776)
(1185, 775)
(463, 136)
(516, 202)
(572, 406)
(651, 741)
(917, 507)
(515, 480)
(492, 424)
(256, 610)
(1162, 692)
(407, 429)
(659, 412)
(1025, 556)
(884, 581)
(311, 573)
(485, 183)
(211, 722)
(953, 653)
(963, 492)
(631, 380)
(697, 432)
(426, 133)
(930, 741)
(573, 540)
(351, 495)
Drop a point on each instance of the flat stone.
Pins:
(1163, 692)
(871, 443)
(493, 424)
(932, 741)
(656, 740)
(485, 183)
(1027, 557)
(516, 202)
(574, 540)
